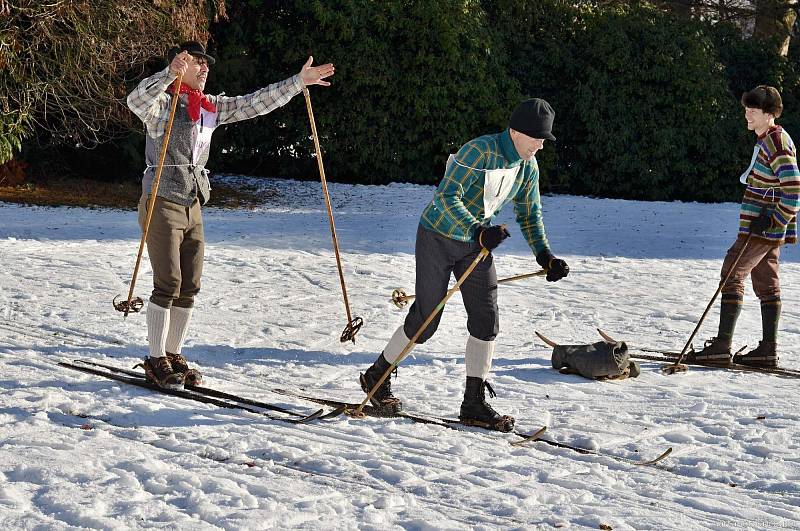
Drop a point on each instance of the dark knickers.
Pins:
(439, 257)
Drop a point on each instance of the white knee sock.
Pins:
(478, 357)
(396, 345)
(157, 328)
(178, 326)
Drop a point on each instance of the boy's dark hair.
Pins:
(764, 97)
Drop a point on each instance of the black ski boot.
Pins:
(476, 412)
(383, 400)
(765, 356)
(716, 351)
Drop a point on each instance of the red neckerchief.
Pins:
(196, 100)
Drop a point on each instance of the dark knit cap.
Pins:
(194, 48)
(533, 118)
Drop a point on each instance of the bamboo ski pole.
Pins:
(353, 325)
(136, 305)
(678, 365)
(410, 345)
(539, 273)
(400, 299)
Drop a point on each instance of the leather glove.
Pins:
(491, 236)
(761, 223)
(556, 267)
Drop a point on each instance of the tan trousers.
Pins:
(760, 261)
(175, 245)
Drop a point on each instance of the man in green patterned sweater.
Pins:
(769, 215)
(485, 174)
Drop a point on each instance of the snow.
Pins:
(78, 451)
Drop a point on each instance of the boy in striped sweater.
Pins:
(769, 215)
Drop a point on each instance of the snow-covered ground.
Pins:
(79, 451)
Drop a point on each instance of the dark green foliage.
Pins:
(748, 64)
(643, 109)
(542, 52)
(414, 80)
(653, 99)
(113, 161)
(647, 103)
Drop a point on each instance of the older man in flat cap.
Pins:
(175, 241)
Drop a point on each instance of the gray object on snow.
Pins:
(598, 361)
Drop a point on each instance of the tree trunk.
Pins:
(774, 22)
(682, 8)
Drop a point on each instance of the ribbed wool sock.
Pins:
(178, 327)
(157, 329)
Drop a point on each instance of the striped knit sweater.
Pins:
(773, 182)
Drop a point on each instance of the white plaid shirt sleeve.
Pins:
(262, 101)
(149, 101)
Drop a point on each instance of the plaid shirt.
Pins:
(185, 177)
(151, 103)
(457, 207)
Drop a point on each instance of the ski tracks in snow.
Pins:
(78, 451)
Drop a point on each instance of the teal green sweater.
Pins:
(457, 207)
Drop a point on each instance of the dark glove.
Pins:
(556, 267)
(491, 236)
(761, 223)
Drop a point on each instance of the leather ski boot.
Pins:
(475, 411)
(383, 400)
(765, 356)
(160, 372)
(179, 364)
(716, 351)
